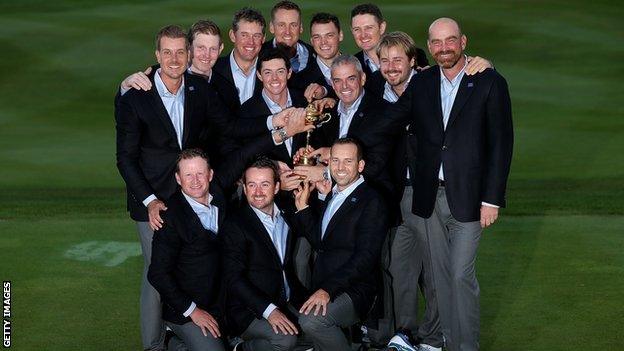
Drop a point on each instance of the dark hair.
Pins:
(203, 27)
(248, 14)
(323, 18)
(188, 154)
(351, 141)
(285, 5)
(263, 162)
(368, 9)
(271, 54)
(170, 31)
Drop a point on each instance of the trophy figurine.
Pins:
(313, 116)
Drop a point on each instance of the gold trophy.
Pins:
(313, 116)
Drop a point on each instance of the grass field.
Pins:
(551, 270)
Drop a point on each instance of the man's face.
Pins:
(344, 165)
(247, 40)
(366, 31)
(205, 51)
(446, 44)
(347, 82)
(325, 38)
(194, 177)
(260, 188)
(173, 57)
(394, 65)
(286, 27)
(274, 76)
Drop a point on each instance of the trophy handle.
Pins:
(324, 118)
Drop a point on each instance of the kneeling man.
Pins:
(346, 232)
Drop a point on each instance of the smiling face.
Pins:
(260, 188)
(204, 52)
(274, 76)
(173, 57)
(194, 177)
(344, 166)
(326, 38)
(446, 43)
(286, 27)
(367, 31)
(395, 66)
(247, 40)
(348, 82)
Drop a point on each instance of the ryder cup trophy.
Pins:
(313, 116)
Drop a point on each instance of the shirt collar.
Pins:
(162, 88)
(274, 105)
(264, 216)
(457, 78)
(235, 68)
(388, 88)
(324, 69)
(348, 190)
(369, 61)
(354, 106)
(196, 205)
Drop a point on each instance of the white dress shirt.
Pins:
(346, 115)
(275, 108)
(338, 198)
(244, 83)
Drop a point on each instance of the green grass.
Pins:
(551, 271)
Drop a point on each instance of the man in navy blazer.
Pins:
(346, 231)
(464, 141)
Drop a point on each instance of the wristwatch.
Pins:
(282, 133)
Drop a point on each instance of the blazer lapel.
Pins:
(346, 206)
(358, 116)
(466, 87)
(161, 112)
(189, 96)
(436, 99)
(265, 236)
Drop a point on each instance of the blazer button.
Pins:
(444, 148)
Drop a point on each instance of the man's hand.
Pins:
(296, 124)
(324, 103)
(289, 180)
(279, 322)
(477, 65)
(153, 211)
(318, 301)
(489, 215)
(312, 173)
(138, 81)
(324, 186)
(314, 91)
(280, 119)
(205, 322)
(302, 195)
(322, 152)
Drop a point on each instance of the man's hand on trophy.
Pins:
(302, 194)
(325, 103)
(311, 173)
(303, 151)
(296, 122)
(314, 91)
(289, 180)
(324, 186)
(280, 119)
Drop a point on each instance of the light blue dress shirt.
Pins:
(277, 229)
(346, 115)
(448, 92)
(324, 69)
(300, 61)
(209, 218)
(338, 198)
(275, 108)
(370, 63)
(244, 83)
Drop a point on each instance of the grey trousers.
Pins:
(152, 325)
(194, 339)
(326, 331)
(259, 336)
(410, 267)
(453, 249)
(303, 250)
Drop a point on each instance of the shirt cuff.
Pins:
(189, 310)
(306, 206)
(149, 199)
(123, 90)
(321, 196)
(267, 312)
(269, 122)
(488, 204)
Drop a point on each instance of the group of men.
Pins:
(247, 248)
